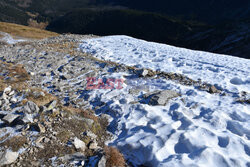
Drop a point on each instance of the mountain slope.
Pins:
(163, 118)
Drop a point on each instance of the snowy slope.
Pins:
(195, 129)
(229, 72)
(9, 39)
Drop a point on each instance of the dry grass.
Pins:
(15, 76)
(41, 100)
(84, 113)
(114, 157)
(23, 31)
(15, 143)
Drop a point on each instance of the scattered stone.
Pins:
(7, 90)
(93, 145)
(213, 89)
(89, 122)
(102, 162)
(38, 94)
(28, 118)
(8, 157)
(9, 118)
(30, 107)
(13, 100)
(12, 93)
(76, 157)
(142, 72)
(38, 127)
(79, 144)
(52, 105)
(160, 97)
(91, 135)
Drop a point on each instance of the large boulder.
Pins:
(8, 157)
(30, 107)
(160, 97)
(9, 118)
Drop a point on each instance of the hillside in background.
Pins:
(216, 26)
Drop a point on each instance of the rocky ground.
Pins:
(46, 117)
(51, 129)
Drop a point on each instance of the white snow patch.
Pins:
(209, 67)
(9, 39)
(195, 129)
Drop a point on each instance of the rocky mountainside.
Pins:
(41, 120)
(59, 108)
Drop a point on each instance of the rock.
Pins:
(38, 127)
(30, 107)
(38, 94)
(41, 128)
(52, 105)
(102, 162)
(38, 142)
(7, 90)
(79, 144)
(142, 72)
(213, 89)
(76, 157)
(12, 93)
(89, 122)
(91, 135)
(160, 97)
(8, 157)
(9, 118)
(93, 145)
(13, 100)
(28, 118)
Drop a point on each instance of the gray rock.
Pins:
(38, 127)
(38, 94)
(142, 72)
(93, 145)
(160, 97)
(76, 157)
(7, 90)
(89, 122)
(102, 162)
(9, 118)
(79, 144)
(8, 157)
(30, 107)
(213, 89)
(28, 118)
(91, 135)
(13, 100)
(52, 105)
(11, 93)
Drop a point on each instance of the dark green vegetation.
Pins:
(220, 26)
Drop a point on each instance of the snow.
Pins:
(195, 129)
(212, 68)
(9, 39)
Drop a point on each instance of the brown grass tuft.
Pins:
(24, 31)
(41, 100)
(16, 76)
(15, 143)
(84, 113)
(114, 157)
